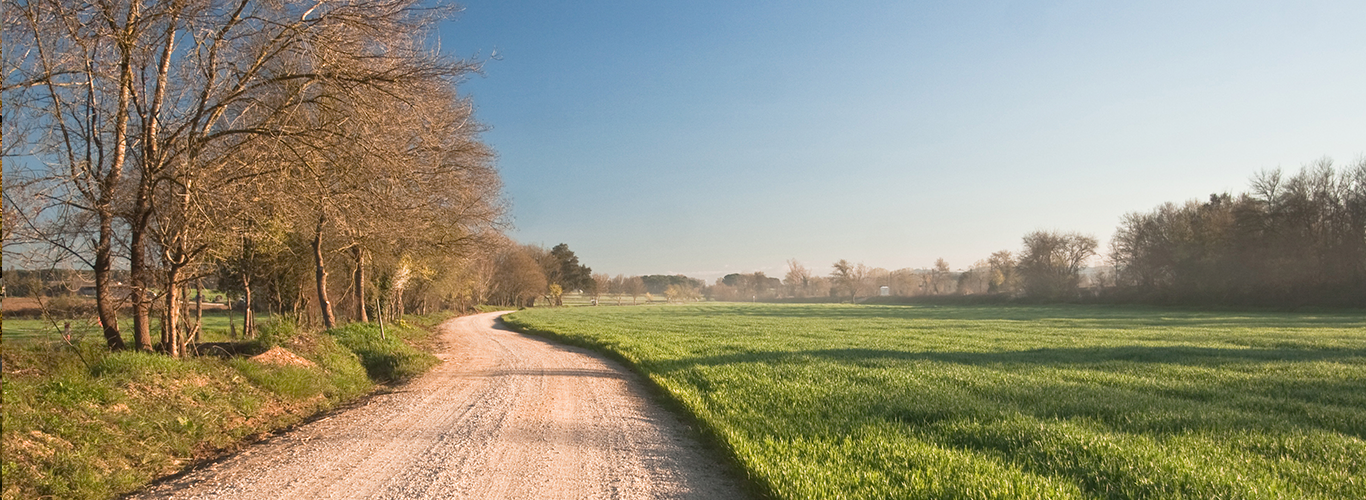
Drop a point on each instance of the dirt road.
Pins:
(505, 416)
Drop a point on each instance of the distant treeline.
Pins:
(659, 283)
(51, 282)
(1290, 240)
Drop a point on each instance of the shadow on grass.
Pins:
(1177, 355)
(1074, 384)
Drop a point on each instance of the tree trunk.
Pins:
(186, 329)
(321, 274)
(232, 325)
(379, 316)
(170, 328)
(359, 282)
(299, 301)
(104, 300)
(137, 259)
(137, 270)
(248, 311)
(198, 308)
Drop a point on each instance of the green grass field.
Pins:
(839, 401)
(215, 328)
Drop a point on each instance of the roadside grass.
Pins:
(841, 401)
(386, 359)
(81, 422)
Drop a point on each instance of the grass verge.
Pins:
(840, 401)
(83, 423)
(389, 357)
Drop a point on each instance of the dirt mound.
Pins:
(280, 356)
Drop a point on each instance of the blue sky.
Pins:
(706, 138)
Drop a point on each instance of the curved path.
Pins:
(504, 416)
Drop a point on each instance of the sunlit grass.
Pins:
(83, 422)
(215, 328)
(837, 401)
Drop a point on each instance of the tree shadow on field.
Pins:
(1209, 389)
(1212, 357)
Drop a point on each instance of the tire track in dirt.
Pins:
(504, 416)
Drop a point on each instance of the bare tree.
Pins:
(849, 278)
(520, 278)
(1051, 262)
(976, 280)
(1002, 278)
(71, 65)
(941, 277)
(195, 100)
(798, 279)
(602, 283)
(618, 287)
(633, 286)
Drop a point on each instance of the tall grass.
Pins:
(838, 401)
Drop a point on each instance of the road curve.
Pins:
(504, 416)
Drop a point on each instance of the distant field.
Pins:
(840, 401)
(29, 330)
(573, 299)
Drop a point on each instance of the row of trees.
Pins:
(1291, 239)
(674, 288)
(1049, 265)
(267, 144)
(520, 274)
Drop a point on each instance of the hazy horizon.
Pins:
(710, 138)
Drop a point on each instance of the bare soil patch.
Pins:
(280, 356)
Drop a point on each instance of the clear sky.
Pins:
(710, 137)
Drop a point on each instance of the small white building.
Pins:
(885, 291)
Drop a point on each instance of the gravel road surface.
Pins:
(504, 416)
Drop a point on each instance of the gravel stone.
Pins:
(504, 416)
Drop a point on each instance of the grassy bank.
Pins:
(86, 423)
(839, 401)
